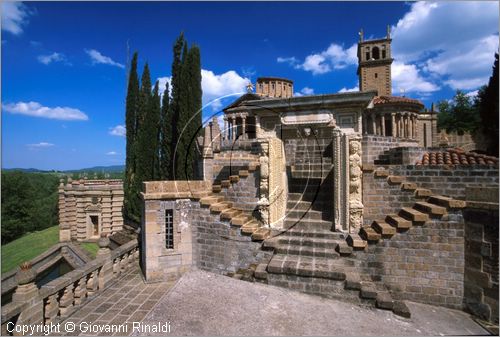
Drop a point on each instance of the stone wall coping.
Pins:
(12, 309)
(173, 187)
(491, 206)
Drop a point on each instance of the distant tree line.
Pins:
(162, 129)
(29, 203)
(479, 114)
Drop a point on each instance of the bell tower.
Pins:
(374, 64)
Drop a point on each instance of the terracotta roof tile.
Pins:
(457, 156)
(378, 100)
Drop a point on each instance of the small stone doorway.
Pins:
(93, 226)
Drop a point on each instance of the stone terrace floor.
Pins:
(203, 303)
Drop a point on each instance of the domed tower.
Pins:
(374, 64)
(274, 87)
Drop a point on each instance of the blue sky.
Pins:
(63, 63)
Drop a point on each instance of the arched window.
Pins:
(367, 53)
(375, 53)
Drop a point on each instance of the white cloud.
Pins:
(454, 42)
(54, 57)
(40, 145)
(216, 86)
(406, 78)
(118, 130)
(472, 94)
(162, 84)
(98, 58)
(14, 16)
(344, 89)
(35, 109)
(334, 57)
(112, 153)
(306, 91)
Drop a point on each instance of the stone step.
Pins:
(395, 179)
(234, 179)
(252, 167)
(309, 174)
(401, 309)
(423, 193)
(381, 173)
(243, 173)
(298, 205)
(306, 251)
(356, 242)
(210, 200)
(446, 202)
(261, 234)
(315, 234)
(313, 267)
(216, 188)
(368, 290)
(241, 219)
(413, 215)
(352, 281)
(229, 214)
(343, 248)
(307, 214)
(200, 195)
(250, 227)
(406, 186)
(398, 222)
(369, 234)
(221, 206)
(431, 209)
(384, 300)
(383, 228)
(261, 271)
(307, 224)
(225, 183)
(308, 241)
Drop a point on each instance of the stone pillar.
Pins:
(374, 124)
(225, 131)
(365, 126)
(234, 132)
(355, 185)
(393, 124)
(382, 119)
(28, 294)
(406, 126)
(415, 127)
(243, 127)
(257, 126)
(410, 127)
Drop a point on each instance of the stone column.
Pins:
(374, 124)
(243, 127)
(365, 126)
(410, 127)
(27, 293)
(257, 126)
(406, 126)
(225, 131)
(234, 129)
(393, 124)
(106, 273)
(382, 116)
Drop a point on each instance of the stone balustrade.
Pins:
(61, 297)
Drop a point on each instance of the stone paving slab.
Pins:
(203, 303)
(126, 301)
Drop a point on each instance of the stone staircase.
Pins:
(427, 206)
(217, 203)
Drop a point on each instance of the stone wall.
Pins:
(481, 253)
(424, 264)
(450, 181)
(81, 199)
(373, 146)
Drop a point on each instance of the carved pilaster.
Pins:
(263, 202)
(355, 185)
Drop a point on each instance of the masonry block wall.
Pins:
(245, 193)
(374, 146)
(381, 198)
(424, 264)
(220, 247)
(451, 181)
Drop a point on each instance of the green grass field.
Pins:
(27, 247)
(90, 247)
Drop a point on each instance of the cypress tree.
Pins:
(193, 66)
(166, 137)
(141, 160)
(175, 103)
(153, 121)
(488, 110)
(130, 125)
(183, 171)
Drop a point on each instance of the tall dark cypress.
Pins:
(488, 110)
(195, 104)
(176, 97)
(183, 170)
(130, 125)
(153, 121)
(165, 138)
(141, 160)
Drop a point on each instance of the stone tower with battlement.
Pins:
(374, 65)
(274, 87)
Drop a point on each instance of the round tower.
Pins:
(274, 87)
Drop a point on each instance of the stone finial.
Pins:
(103, 240)
(249, 87)
(388, 31)
(361, 35)
(26, 274)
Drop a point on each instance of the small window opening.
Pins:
(169, 229)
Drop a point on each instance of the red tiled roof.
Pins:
(378, 100)
(456, 156)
